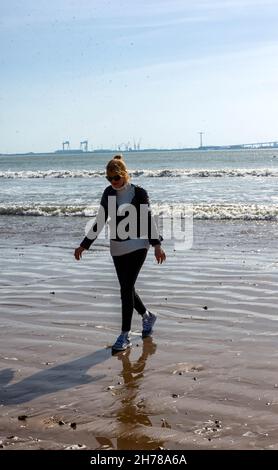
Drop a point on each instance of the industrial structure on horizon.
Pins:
(66, 147)
(126, 146)
(136, 147)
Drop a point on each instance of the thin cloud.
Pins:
(263, 51)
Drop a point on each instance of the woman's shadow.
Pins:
(50, 380)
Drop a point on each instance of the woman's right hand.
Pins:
(160, 254)
(78, 252)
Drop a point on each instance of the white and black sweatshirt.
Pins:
(127, 194)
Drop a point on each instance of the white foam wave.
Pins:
(51, 174)
(213, 211)
(174, 172)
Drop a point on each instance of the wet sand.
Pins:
(206, 380)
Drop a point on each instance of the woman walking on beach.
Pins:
(128, 254)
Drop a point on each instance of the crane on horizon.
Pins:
(67, 144)
(201, 139)
(84, 144)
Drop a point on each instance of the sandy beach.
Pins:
(206, 380)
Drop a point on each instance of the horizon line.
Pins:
(249, 146)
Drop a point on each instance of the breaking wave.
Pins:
(213, 211)
(175, 172)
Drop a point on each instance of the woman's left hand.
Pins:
(159, 253)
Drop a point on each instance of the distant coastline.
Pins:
(255, 146)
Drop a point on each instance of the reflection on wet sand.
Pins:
(131, 413)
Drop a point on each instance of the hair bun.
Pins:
(118, 157)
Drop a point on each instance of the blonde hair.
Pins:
(118, 166)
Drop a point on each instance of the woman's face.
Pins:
(117, 183)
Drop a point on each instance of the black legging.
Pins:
(127, 268)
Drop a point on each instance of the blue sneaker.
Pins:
(122, 343)
(148, 323)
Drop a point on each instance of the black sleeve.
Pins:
(98, 225)
(152, 226)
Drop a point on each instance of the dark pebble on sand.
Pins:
(73, 425)
(22, 417)
(205, 307)
(180, 373)
(52, 292)
(61, 423)
(194, 378)
(175, 395)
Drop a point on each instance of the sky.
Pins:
(156, 72)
